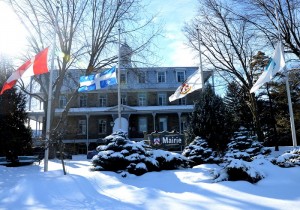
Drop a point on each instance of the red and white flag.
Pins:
(35, 66)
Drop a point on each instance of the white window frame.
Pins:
(83, 101)
(143, 124)
(142, 77)
(102, 100)
(183, 123)
(124, 98)
(123, 77)
(161, 77)
(62, 101)
(164, 122)
(182, 101)
(178, 78)
(103, 124)
(82, 127)
(162, 99)
(142, 99)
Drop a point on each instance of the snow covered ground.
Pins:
(29, 187)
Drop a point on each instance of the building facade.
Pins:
(145, 106)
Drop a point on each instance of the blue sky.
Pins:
(173, 14)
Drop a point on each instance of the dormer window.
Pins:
(142, 77)
(123, 78)
(180, 76)
(161, 76)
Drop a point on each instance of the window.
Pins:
(163, 124)
(124, 99)
(83, 101)
(142, 99)
(180, 76)
(102, 100)
(62, 101)
(82, 127)
(183, 123)
(102, 126)
(142, 77)
(142, 124)
(162, 99)
(161, 76)
(123, 78)
(182, 101)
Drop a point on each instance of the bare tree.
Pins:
(228, 43)
(86, 33)
(263, 15)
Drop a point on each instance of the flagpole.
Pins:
(290, 109)
(292, 121)
(48, 122)
(200, 65)
(119, 82)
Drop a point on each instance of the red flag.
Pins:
(35, 66)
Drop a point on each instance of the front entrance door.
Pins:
(163, 124)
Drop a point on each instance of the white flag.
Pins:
(191, 84)
(275, 65)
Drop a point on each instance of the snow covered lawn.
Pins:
(28, 187)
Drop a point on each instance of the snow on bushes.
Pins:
(288, 159)
(122, 154)
(238, 159)
(244, 146)
(199, 152)
(239, 170)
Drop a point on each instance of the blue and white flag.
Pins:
(98, 81)
(275, 65)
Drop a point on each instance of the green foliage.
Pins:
(236, 103)
(211, 120)
(199, 152)
(14, 135)
(122, 154)
(244, 146)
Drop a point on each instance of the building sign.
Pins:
(166, 139)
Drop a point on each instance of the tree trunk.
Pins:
(255, 115)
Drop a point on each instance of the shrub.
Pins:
(198, 152)
(290, 158)
(239, 170)
(244, 146)
(120, 153)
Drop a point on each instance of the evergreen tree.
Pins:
(279, 95)
(210, 120)
(15, 136)
(235, 101)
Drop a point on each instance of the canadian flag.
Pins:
(35, 66)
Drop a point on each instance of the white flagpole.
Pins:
(200, 65)
(50, 95)
(119, 82)
(292, 121)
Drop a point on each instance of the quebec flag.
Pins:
(98, 81)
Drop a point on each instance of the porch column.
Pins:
(179, 121)
(87, 132)
(154, 126)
